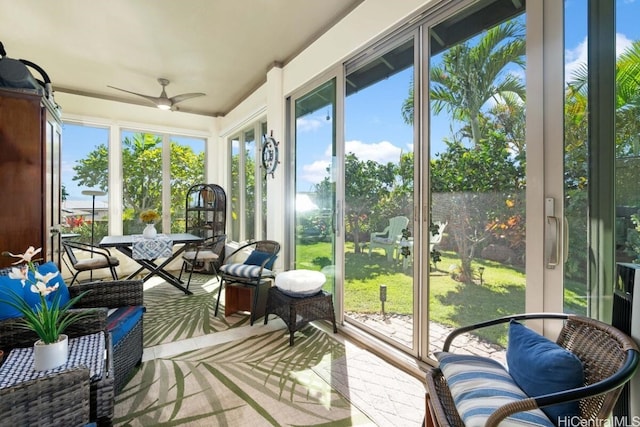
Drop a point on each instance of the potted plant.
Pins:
(50, 317)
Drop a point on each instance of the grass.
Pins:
(451, 303)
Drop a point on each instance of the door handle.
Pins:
(552, 235)
(554, 243)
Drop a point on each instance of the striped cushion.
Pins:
(244, 270)
(479, 386)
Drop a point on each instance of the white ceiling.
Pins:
(220, 47)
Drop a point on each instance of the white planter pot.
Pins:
(49, 356)
(149, 231)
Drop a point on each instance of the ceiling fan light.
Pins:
(164, 104)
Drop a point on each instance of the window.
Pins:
(84, 167)
(147, 177)
(248, 184)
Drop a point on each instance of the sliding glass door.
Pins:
(314, 183)
(379, 238)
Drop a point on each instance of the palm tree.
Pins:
(469, 76)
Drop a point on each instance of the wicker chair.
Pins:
(127, 352)
(609, 358)
(58, 399)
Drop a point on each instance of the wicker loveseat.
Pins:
(118, 308)
(608, 359)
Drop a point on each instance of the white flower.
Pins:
(20, 273)
(43, 289)
(27, 256)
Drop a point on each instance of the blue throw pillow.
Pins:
(7, 288)
(32, 298)
(258, 257)
(540, 366)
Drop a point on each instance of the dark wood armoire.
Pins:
(30, 187)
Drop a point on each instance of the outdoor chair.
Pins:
(255, 272)
(587, 379)
(389, 238)
(205, 257)
(95, 258)
(434, 239)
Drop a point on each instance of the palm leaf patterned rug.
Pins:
(172, 315)
(258, 381)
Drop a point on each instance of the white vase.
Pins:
(150, 231)
(49, 356)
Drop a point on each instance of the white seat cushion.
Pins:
(300, 283)
(206, 255)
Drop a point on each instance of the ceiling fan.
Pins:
(163, 102)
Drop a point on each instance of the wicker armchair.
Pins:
(609, 358)
(57, 399)
(127, 352)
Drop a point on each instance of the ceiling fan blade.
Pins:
(185, 96)
(153, 99)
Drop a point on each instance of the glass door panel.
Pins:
(477, 169)
(627, 129)
(315, 185)
(576, 159)
(379, 291)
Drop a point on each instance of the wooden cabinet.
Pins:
(206, 210)
(30, 138)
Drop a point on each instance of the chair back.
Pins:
(217, 247)
(68, 249)
(603, 351)
(396, 225)
(434, 239)
(269, 246)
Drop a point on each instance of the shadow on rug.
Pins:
(172, 316)
(258, 381)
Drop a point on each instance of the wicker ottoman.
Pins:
(298, 311)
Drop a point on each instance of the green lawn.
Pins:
(451, 303)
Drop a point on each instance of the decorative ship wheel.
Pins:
(270, 155)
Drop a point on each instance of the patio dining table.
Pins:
(125, 245)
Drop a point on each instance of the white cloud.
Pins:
(381, 152)
(309, 124)
(574, 58)
(622, 43)
(316, 171)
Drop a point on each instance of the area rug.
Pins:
(257, 381)
(171, 315)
